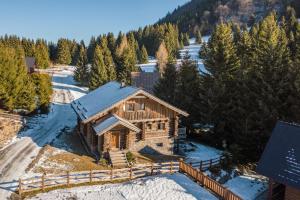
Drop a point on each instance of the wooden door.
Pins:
(115, 140)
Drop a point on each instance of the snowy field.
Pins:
(162, 187)
(247, 187)
(197, 152)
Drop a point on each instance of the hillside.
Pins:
(203, 14)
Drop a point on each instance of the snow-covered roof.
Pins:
(102, 98)
(111, 122)
(281, 158)
(109, 95)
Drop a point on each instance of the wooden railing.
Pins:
(72, 178)
(207, 182)
(206, 164)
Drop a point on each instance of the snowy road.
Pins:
(15, 158)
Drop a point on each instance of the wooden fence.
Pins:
(206, 164)
(207, 182)
(72, 178)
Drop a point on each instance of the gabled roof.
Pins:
(280, 160)
(109, 95)
(111, 122)
(145, 80)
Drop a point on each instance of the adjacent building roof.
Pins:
(30, 63)
(145, 80)
(107, 96)
(111, 122)
(280, 160)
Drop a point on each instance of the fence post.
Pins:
(130, 172)
(111, 173)
(68, 178)
(20, 187)
(43, 182)
(151, 168)
(201, 165)
(180, 164)
(171, 167)
(91, 176)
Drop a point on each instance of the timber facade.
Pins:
(127, 118)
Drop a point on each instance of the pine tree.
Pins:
(98, 74)
(166, 86)
(16, 88)
(188, 90)
(125, 59)
(143, 55)
(186, 39)
(108, 59)
(198, 37)
(222, 65)
(91, 49)
(43, 89)
(63, 52)
(29, 47)
(162, 57)
(42, 54)
(81, 73)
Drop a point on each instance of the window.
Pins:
(149, 127)
(160, 144)
(141, 106)
(161, 126)
(130, 107)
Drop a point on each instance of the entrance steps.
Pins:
(118, 158)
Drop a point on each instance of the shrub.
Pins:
(103, 162)
(130, 157)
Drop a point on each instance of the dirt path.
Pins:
(15, 158)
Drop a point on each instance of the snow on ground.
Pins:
(193, 50)
(248, 188)
(197, 152)
(162, 187)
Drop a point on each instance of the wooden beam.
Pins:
(149, 120)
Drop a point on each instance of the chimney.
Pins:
(123, 84)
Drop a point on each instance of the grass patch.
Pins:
(35, 192)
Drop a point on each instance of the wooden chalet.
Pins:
(145, 80)
(116, 117)
(280, 162)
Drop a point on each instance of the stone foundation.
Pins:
(159, 145)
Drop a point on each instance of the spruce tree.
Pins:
(186, 39)
(143, 55)
(166, 86)
(42, 54)
(91, 49)
(108, 59)
(98, 74)
(125, 59)
(188, 90)
(63, 52)
(81, 72)
(198, 37)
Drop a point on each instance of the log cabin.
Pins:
(116, 117)
(280, 162)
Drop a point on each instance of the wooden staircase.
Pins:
(118, 158)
